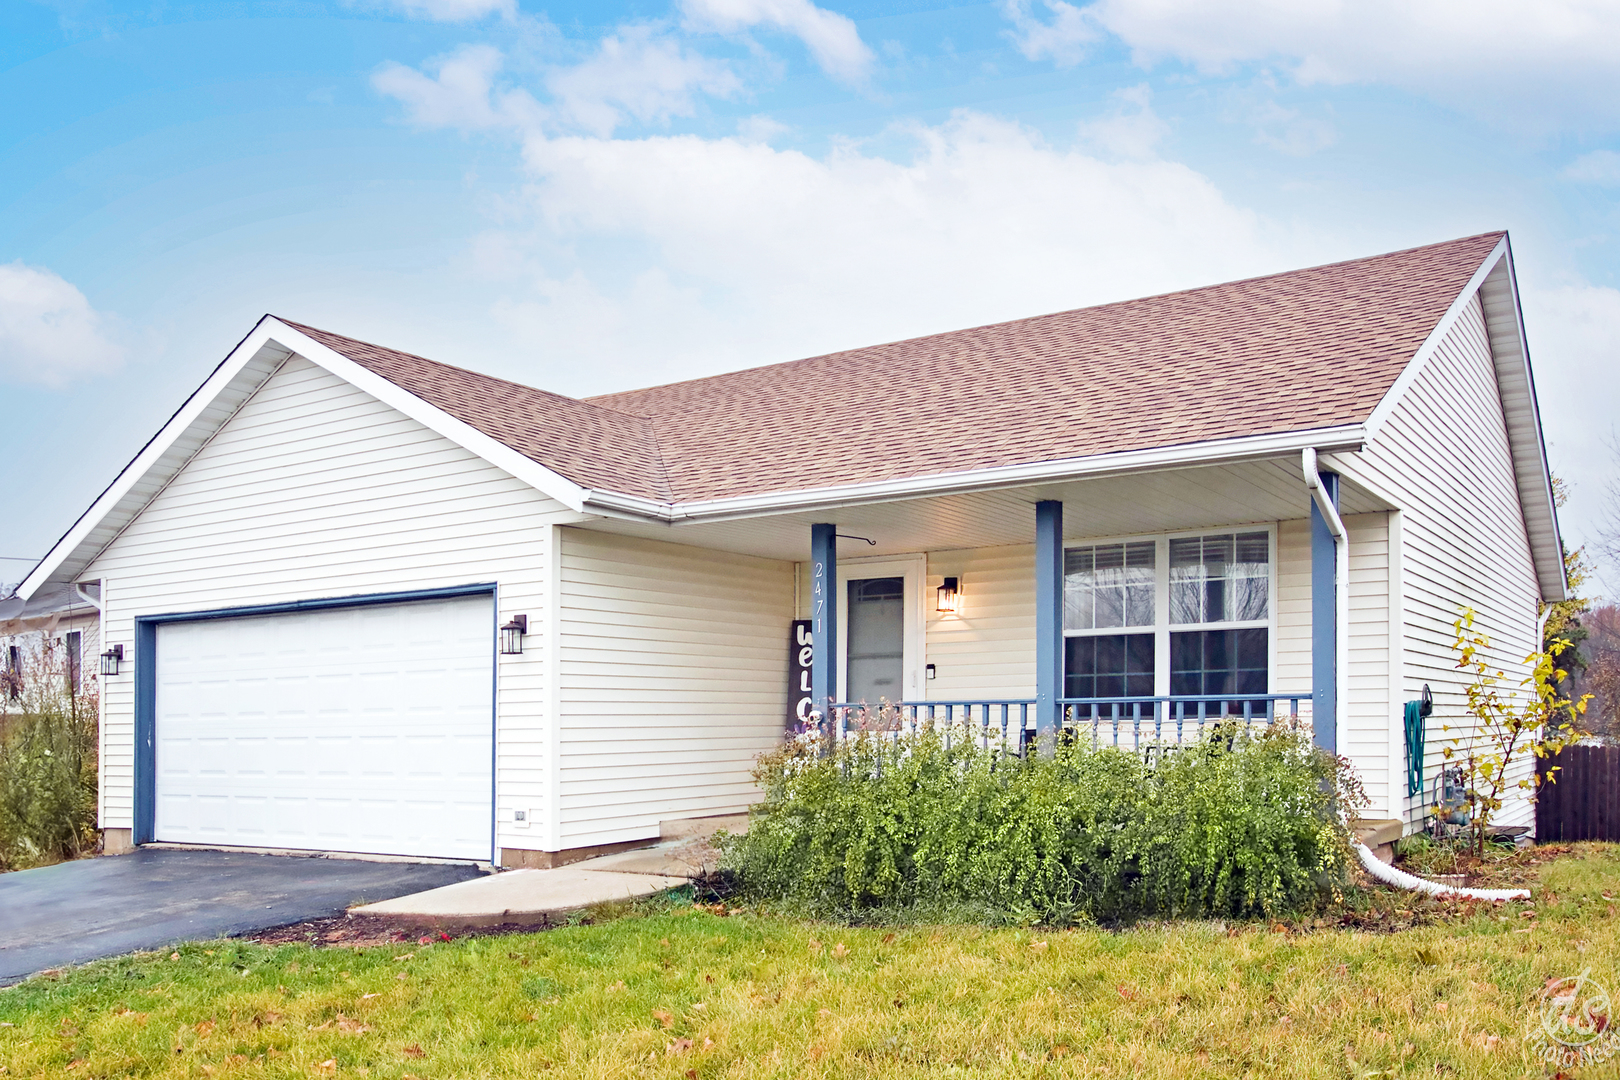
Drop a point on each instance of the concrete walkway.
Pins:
(538, 897)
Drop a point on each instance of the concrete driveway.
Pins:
(85, 910)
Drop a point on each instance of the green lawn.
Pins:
(682, 992)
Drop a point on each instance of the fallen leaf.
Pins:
(664, 1018)
(840, 951)
(415, 1051)
(1441, 1006)
(679, 1046)
(353, 1027)
(406, 956)
(1491, 1041)
(1127, 992)
(887, 938)
(698, 1005)
(665, 943)
(707, 1042)
(402, 975)
(174, 956)
(204, 1027)
(815, 946)
(691, 1074)
(1039, 946)
(1060, 1050)
(261, 1019)
(816, 1052)
(364, 997)
(329, 1063)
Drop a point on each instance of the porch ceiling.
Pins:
(1146, 502)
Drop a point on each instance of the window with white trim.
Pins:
(1177, 614)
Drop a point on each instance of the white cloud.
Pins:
(831, 38)
(740, 253)
(1131, 129)
(1598, 167)
(49, 333)
(638, 71)
(452, 10)
(1552, 61)
(461, 95)
(760, 128)
(1064, 39)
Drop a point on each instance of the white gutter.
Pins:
(1341, 588)
(95, 602)
(1223, 451)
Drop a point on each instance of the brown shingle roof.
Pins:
(590, 444)
(1307, 349)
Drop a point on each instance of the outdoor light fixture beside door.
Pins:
(111, 659)
(950, 596)
(512, 635)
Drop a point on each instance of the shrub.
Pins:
(48, 761)
(937, 824)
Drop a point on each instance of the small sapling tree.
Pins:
(1510, 724)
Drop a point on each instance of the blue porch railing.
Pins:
(1128, 722)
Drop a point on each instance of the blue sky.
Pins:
(589, 197)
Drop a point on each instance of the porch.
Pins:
(1069, 610)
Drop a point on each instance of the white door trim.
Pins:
(913, 569)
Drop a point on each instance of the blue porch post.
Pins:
(1048, 615)
(1324, 623)
(823, 616)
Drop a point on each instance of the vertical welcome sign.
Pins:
(801, 656)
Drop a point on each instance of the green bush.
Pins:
(885, 824)
(48, 761)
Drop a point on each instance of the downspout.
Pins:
(1341, 582)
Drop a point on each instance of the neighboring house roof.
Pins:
(17, 614)
(1310, 358)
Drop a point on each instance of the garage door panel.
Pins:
(359, 729)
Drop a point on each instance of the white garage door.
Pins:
(365, 729)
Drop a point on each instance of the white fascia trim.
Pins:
(1420, 359)
(1349, 437)
(150, 454)
(1549, 501)
(431, 416)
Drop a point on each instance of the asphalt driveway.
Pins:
(85, 910)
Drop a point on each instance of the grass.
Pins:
(678, 991)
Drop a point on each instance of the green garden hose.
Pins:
(1414, 748)
(1416, 713)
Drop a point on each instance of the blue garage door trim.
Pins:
(146, 680)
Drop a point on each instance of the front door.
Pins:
(880, 653)
(875, 660)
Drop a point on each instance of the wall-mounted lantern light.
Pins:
(950, 596)
(111, 659)
(512, 635)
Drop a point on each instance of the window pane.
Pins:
(1109, 665)
(1220, 662)
(1220, 578)
(1108, 585)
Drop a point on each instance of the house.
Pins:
(362, 601)
(60, 619)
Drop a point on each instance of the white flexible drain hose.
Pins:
(1402, 880)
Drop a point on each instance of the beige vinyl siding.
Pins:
(1443, 455)
(673, 680)
(988, 651)
(316, 489)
